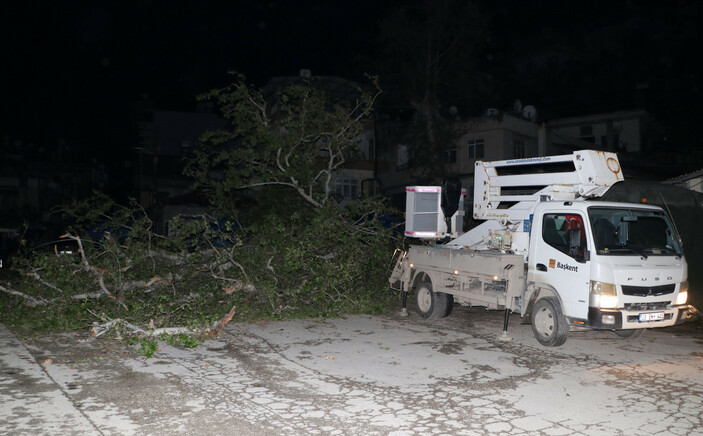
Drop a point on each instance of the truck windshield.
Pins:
(623, 231)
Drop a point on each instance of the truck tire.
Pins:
(432, 304)
(630, 334)
(548, 323)
(445, 304)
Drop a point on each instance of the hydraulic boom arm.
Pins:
(594, 173)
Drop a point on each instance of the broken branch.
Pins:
(31, 301)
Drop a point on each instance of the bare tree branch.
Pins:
(293, 184)
(278, 160)
(31, 301)
(98, 272)
(100, 329)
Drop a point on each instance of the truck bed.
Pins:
(488, 278)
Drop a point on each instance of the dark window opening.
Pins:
(475, 148)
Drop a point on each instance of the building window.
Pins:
(346, 188)
(518, 148)
(450, 154)
(475, 149)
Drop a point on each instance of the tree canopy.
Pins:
(296, 141)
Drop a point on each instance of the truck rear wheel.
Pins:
(432, 304)
(548, 323)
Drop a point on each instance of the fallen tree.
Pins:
(305, 256)
(119, 272)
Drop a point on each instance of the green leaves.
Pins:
(322, 261)
(295, 138)
(147, 347)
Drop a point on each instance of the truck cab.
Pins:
(608, 266)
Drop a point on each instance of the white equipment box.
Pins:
(423, 213)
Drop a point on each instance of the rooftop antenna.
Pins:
(529, 112)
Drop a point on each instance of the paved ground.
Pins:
(359, 375)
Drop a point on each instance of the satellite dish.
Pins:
(529, 112)
(492, 112)
(517, 105)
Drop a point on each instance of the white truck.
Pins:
(545, 251)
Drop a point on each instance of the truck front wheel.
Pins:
(548, 323)
(432, 304)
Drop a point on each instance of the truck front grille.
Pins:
(655, 305)
(648, 291)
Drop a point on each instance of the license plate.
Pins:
(649, 317)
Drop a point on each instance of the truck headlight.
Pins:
(608, 294)
(683, 293)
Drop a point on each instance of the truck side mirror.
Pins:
(576, 244)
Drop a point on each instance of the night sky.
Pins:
(71, 69)
(74, 67)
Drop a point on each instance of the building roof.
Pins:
(684, 177)
(598, 118)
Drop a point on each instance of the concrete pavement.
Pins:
(30, 399)
(382, 375)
